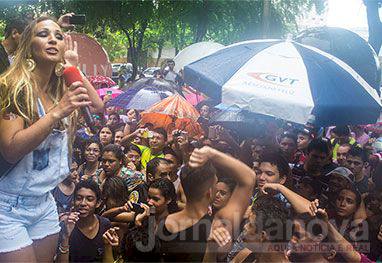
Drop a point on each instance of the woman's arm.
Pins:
(17, 141)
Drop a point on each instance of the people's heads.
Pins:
(133, 155)
(273, 168)
(109, 110)
(224, 189)
(304, 137)
(157, 168)
(133, 115)
(92, 151)
(114, 119)
(205, 111)
(308, 232)
(266, 222)
(342, 133)
(308, 188)
(87, 198)
(171, 64)
(106, 135)
(12, 32)
(158, 139)
(342, 153)
(199, 183)
(356, 160)
(288, 144)
(73, 176)
(173, 159)
(114, 192)
(318, 154)
(162, 196)
(118, 137)
(347, 202)
(340, 178)
(112, 159)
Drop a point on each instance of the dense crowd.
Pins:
(136, 192)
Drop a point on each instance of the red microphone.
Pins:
(71, 75)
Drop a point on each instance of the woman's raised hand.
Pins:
(71, 54)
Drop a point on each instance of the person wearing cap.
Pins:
(338, 179)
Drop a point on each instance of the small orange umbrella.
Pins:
(172, 113)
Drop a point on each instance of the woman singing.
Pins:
(37, 124)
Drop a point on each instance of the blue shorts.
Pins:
(26, 218)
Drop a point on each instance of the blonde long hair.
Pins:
(17, 85)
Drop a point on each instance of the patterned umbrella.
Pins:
(114, 92)
(101, 81)
(174, 113)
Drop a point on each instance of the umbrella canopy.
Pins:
(195, 52)
(142, 96)
(193, 96)
(287, 80)
(160, 84)
(115, 92)
(101, 81)
(174, 113)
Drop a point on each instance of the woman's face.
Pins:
(131, 115)
(157, 200)
(346, 203)
(118, 137)
(47, 43)
(302, 141)
(134, 157)
(222, 196)
(105, 136)
(92, 152)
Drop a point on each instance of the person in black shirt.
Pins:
(8, 46)
(82, 240)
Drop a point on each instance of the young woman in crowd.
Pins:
(133, 157)
(37, 126)
(106, 135)
(91, 153)
(224, 189)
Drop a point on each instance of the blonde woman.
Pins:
(38, 115)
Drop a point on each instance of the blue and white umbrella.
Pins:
(287, 80)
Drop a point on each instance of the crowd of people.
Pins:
(129, 191)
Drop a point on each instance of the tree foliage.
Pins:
(132, 26)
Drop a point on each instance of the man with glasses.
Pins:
(355, 162)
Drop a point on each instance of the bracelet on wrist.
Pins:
(63, 250)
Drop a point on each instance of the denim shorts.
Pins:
(26, 218)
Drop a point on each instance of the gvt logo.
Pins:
(273, 79)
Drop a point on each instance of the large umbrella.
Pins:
(287, 80)
(115, 92)
(174, 113)
(101, 81)
(141, 96)
(193, 96)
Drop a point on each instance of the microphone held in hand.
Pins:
(72, 74)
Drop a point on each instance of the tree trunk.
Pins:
(160, 48)
(266, 16)
(201, 29)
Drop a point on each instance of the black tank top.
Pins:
(188, 245)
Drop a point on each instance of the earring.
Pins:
(59, 69)
(30, 63)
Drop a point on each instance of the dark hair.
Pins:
(132, 147)
(116, 149)
(358, 152)
(152, 165)
(270, 212)
(91, 141)
(353, 188)
(115, 188)
(110, 128)
(15, 23)
(167, 189)
(88, 184)
(228, 181)
(289, 135)
(341, 130)
(195, 181)
(161, 131)
(317, 229)
(170, 61)
(275, 158)
(168, 150)
(115, 114)
(320, 145)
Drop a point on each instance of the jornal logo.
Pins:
(273, 79)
